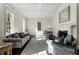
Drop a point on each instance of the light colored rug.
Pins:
(35, 47)
(38, 46)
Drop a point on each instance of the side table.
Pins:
(6, 49)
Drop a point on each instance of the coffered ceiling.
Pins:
(36, 9)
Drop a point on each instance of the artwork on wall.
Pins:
(64, 15)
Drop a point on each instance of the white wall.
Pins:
(32, 24)
(66, 25)
(18, 22)
(1, 21)
(18, 18)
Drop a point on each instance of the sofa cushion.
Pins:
(16, 35)
(27, 34)
(13, 36)
(21, 35)
(61, 40)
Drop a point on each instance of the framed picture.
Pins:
(64, 15)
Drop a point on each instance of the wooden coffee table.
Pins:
(6, 49)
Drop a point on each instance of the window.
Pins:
(39, 26)
(9, 23)
(23, 25)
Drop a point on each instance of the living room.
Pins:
(28, 17)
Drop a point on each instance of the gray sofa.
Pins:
(17, 42)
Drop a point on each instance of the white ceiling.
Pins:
(36, 9)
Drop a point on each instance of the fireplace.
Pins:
(62, 33)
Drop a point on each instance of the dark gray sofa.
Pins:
(18, 39)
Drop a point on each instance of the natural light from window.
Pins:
(23, 25)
